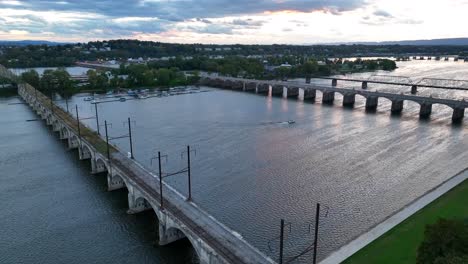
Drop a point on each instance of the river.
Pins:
(251, 167)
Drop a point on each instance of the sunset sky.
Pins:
(233, 21)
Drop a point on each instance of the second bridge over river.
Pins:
(292, 90)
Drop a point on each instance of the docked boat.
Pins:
(88, 99)
(122, 99)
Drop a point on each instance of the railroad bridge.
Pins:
(309, 91)
(179, 218)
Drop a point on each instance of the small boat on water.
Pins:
(110, 93)
(122, 99)
(131, 92)
(142, 96)
(291, 122)
(88, 99)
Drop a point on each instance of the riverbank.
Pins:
(400, 244)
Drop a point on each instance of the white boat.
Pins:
(88, 98)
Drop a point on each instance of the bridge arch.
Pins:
(445, 111)
(56, 126)
(385, 102)
(115, 182)
(100, 165)
(64, 133)
(176, 231)
(86, 152)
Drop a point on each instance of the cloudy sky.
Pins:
(233, 21)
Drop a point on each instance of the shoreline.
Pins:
(400, 216)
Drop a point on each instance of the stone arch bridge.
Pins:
(213, 242)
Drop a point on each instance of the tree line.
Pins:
(121, 50)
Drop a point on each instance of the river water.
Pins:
(251, 169)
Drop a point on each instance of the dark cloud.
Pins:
(120, 18)
(382, 13)
(381, 17)
(177, 10)
(248, 23)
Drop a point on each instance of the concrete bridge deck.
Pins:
(177, 219)
(291, 90)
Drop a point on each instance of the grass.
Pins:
(400, 244)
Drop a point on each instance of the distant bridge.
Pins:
(402, 81)
(179, 218)
(291, 90)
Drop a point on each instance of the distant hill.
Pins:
(421, 42)
(29, 42)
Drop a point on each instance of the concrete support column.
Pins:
(364, 85)
(243, 86)
(397, 106)
(349, 99)
(328, 97)
(308, 79)
(372, 102)
(310, 94)
(458, 114)
(334, 82)
(426, 110)
(414, 89)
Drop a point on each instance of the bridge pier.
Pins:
(426, 110)
(307, 80)
(84, 153)
(349, 99)
(364, 85)
(458, 115)
(414, 89)
(310, 94)
(397, 106)
(372, 102)
(290, 92)
(328, 97)
(334, 82)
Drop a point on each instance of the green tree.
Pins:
(309, 68)
(31, 77)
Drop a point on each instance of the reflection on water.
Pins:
(253, 168)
